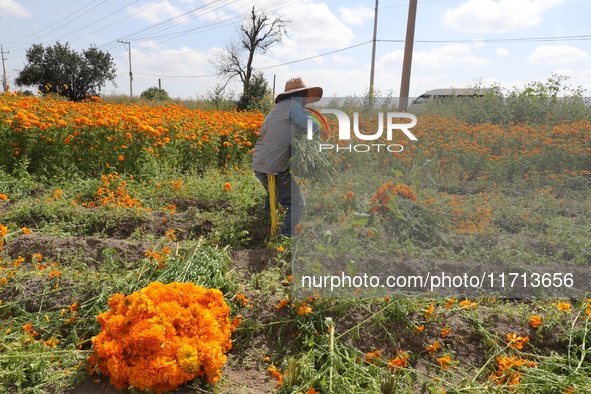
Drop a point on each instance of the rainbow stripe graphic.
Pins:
(317, 116)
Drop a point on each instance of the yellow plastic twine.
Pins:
(273, 203)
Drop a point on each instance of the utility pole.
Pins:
(373, 52)
(130, 73)
(406, 63)
(4, 82)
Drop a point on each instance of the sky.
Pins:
(458, 43)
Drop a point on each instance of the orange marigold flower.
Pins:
(28, 329)
(444, 361)
(3, 197)
(139, 345)
(517, 342)
(445, 332)
(420, 328)
(227, 186)
(121, 158)
(450, 302)
(399, 361)
(373, 356)
(281, 304)
(276, 374)
(433, 348)
(304, 309)
(535, 321)
(26, 230)
(242, 298)
(563, 306)
(350, 195)
(429, 311)
(468, 304)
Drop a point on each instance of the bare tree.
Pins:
(258, 31)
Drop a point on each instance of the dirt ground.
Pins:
(244, 371)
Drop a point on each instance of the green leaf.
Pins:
(361, 219)
(316, 267)
(393, 207)
(351, 268)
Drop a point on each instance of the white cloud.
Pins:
(158, 12)
(11, 9)
(559, 54)
(356, 15)
(501, 52)
(489, 16)
(313, 28)
(445, 56)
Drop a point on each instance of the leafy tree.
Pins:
(58, 69)
(258, 31)
(154, 93)
(257, 96)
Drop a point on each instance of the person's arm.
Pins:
(300, 117)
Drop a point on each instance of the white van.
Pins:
(449, 93)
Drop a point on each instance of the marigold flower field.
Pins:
(95, 136)
(134, 253)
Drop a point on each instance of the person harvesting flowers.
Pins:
(272, 151)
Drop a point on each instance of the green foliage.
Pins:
(58, 69)
(536, 103)
(257, 96)
(219, 99)
(155, 94)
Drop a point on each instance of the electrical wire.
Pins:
(67, 23)
(507, 40)
(53, 24)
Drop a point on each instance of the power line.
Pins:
(201, 28)
(208, 25)
(53, 24)
(313, 57)
(97, 21)
(161, 26)
(260, 68)
(65, 24)
(176, 76)
(508, 40)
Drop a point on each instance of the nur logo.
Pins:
(345, 130)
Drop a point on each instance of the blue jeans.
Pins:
(288, 195)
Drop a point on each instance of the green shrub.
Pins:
(155, 93)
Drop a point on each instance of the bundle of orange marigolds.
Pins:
(163, 336)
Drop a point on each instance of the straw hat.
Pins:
(297, 85)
